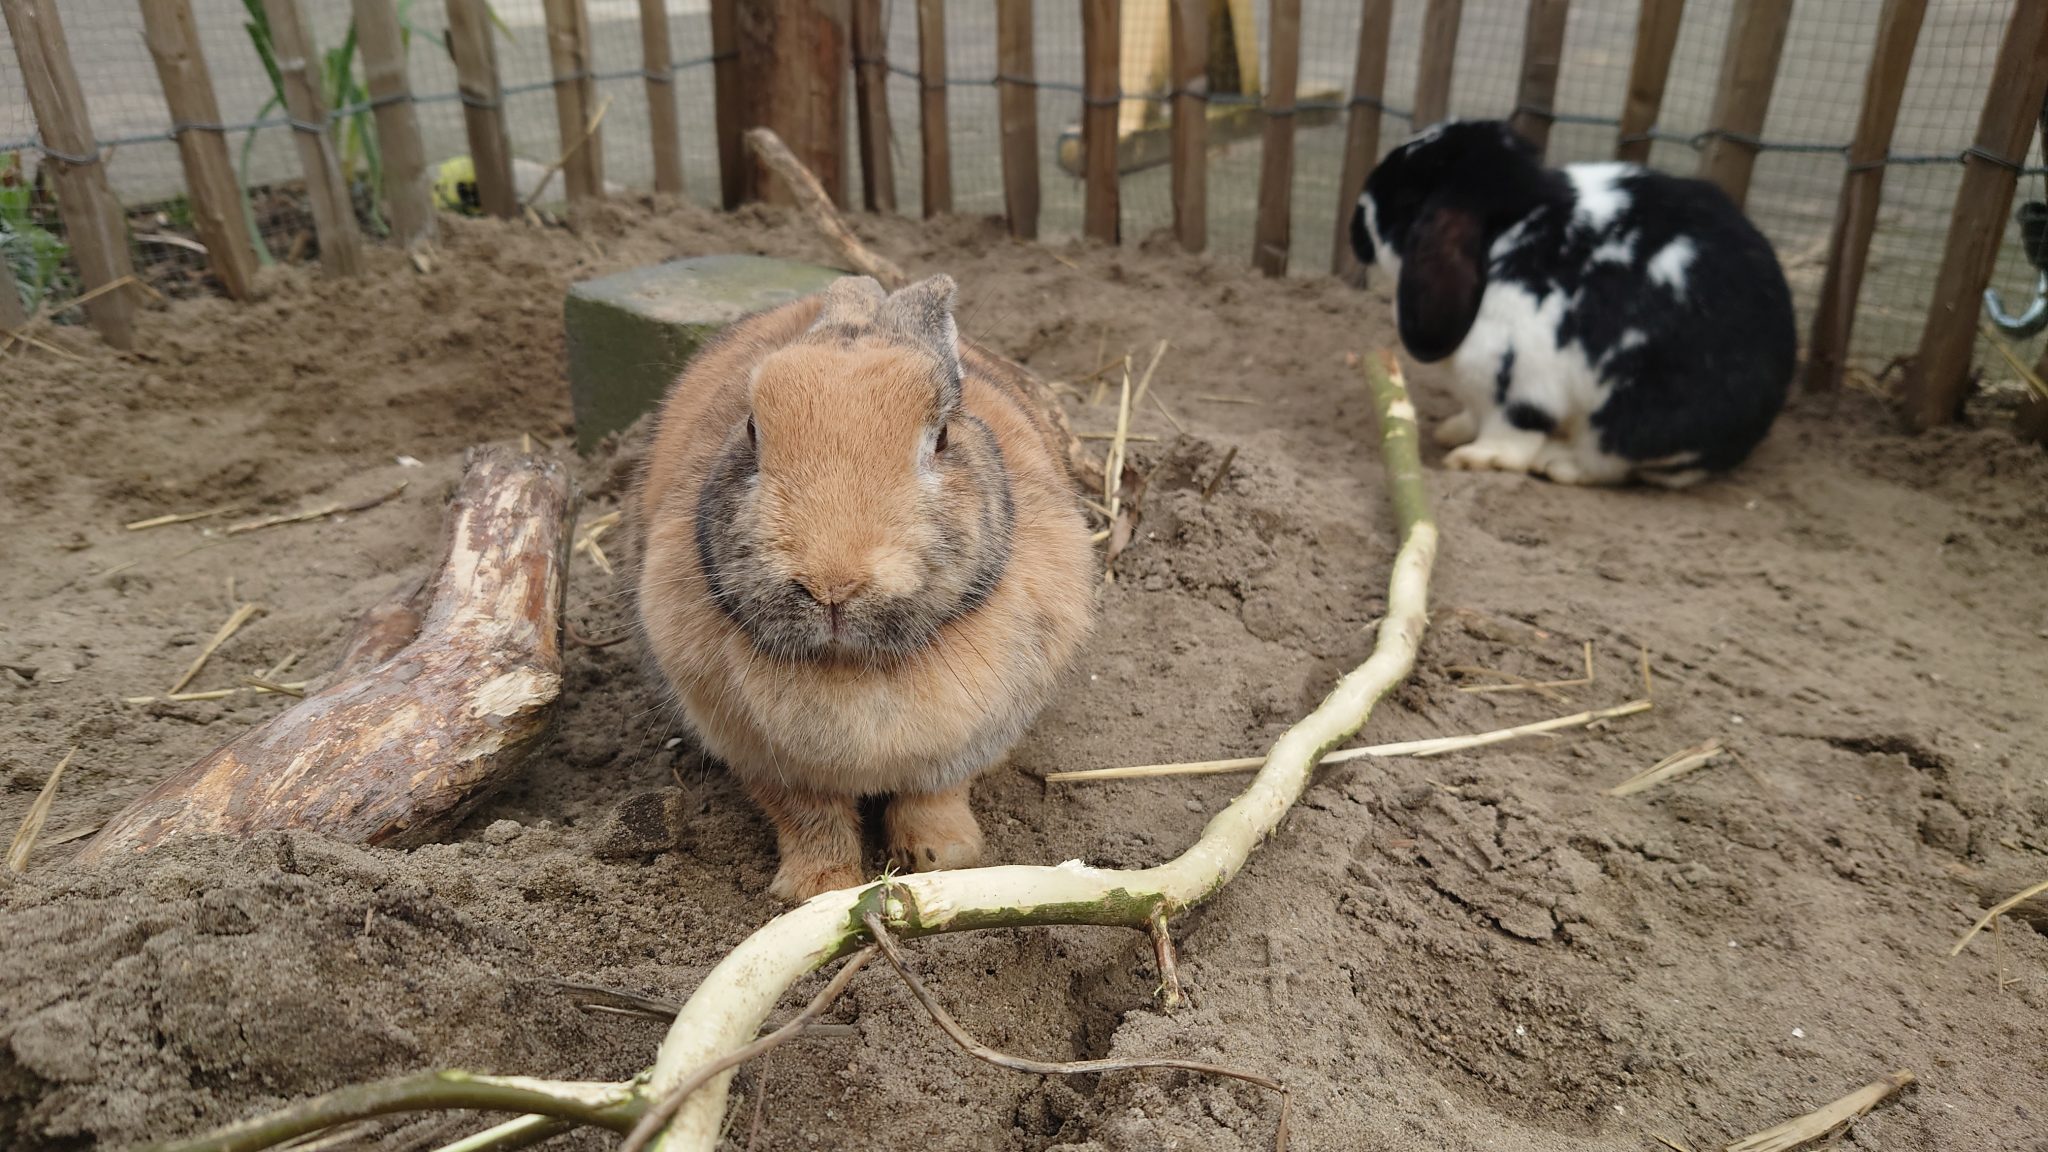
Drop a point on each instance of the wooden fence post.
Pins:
(1101, 48)
(210, 183)
(1542, 52)
(1362, 133)
(1749, 69)
(657, 60)
(483, 100)
(93, 223)
(408, 192)
(1188, 48)
(1017, 81)
(1439, 57)
(1271, 232)
(871, 102)
(1649, 70)
(1884, 88)
(568, 27)
(728, 100)
(931, 106)
(334, 212)
(12, 314)
(793, 58)
(1938, 382)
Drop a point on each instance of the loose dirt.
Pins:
(1476, 951)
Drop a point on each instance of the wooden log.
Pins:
(1649, 70)
(334, 212)
(210, 182)
(1017, 85)
(568, 28)
(470, 40)
(1749, 70)
(728, 103)
(1362, 133)
(13, 316)
(793, 54)
(408, 187)
(931, 107)
(871, 103)
(1272, 229)
(1884, 88)
(664, 126)
(1188, 49)
(1542, 54)
(404, 742)
(1439, 56)
(1938, 381)
(93, 223)
(1101, 39)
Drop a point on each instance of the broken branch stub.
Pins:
(415, 729)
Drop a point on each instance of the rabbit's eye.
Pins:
(939, 445)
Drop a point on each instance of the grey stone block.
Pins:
(631, 333)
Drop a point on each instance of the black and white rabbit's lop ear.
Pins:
(1443, 275)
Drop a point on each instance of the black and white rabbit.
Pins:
(1606, 322)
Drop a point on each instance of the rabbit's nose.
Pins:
(832, 591)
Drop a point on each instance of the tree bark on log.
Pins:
(426, 712)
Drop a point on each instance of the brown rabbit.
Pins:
(865, 568)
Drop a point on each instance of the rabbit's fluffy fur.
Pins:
(865, 568)
(1605, 322)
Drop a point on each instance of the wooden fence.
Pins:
(784, 64)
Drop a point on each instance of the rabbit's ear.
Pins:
(922, 315)
(850, 302)
(1443, 275)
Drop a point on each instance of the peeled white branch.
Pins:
(736, 996)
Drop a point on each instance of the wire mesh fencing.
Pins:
(1812, 113)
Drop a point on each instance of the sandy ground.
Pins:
(1479, 951)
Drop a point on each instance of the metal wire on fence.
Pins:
(1801, 149)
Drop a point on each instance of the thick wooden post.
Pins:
(1188, 48)
(93, 224)
(1439, 57)
(1749, 69)
(568, 25)
(408, 190)
(1938, 382)
(871, 102)
(12, 314)
(483, 100)
(1649, 70)
(1271, 232)
(334, 213)
(1017, 81)
(729, 104)
(657, 60)
(1884, 87)
(1362, 133)
(210, 182)
(1101, 46)
(931, 107)
(1542, 52)
(793, 58)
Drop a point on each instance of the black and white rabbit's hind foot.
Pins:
(1605, 323)
(1502, 447)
